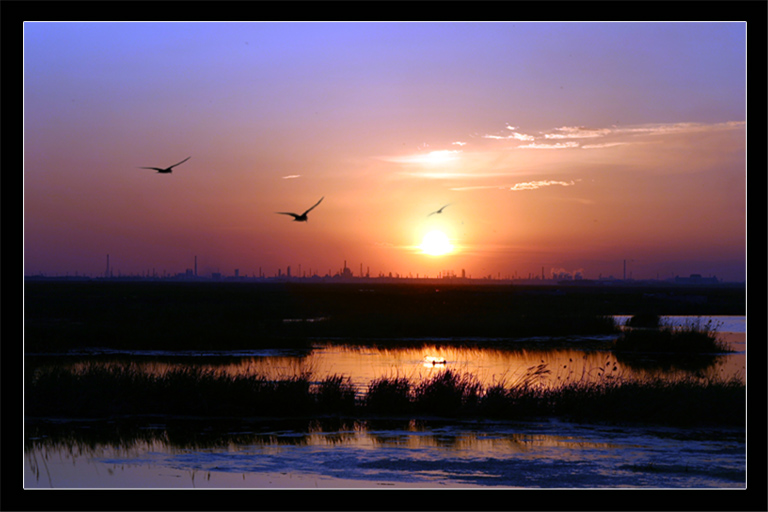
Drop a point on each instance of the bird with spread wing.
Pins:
(440, 210)
(167, 169)
(302, 217)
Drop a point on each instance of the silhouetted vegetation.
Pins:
(124, 391)
(222, 316)
(692, 338)
(644, 320)
(389, 396)
(231, 315)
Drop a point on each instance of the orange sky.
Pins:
(569, 147)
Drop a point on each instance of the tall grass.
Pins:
(654, 336)
(687, 401)
(389, 396)
(335, 395)
(447, 394)
(122, 390)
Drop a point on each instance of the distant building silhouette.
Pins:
(696, 279)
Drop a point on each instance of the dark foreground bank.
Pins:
(123, 391)
(228, 315)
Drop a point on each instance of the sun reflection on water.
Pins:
(488, 366)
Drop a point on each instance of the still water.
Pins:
(547, 454)
(567, 359)
(429, 455)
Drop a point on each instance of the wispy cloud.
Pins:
(292, 176)
(577, 132)
(526, 185)
(557, 145)
(467, 164)
(533, 185)
(678, 128)
(515, 135)
(604, 145)
(570, 135)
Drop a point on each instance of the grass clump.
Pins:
(335, 395)
(446, 394)
(124, 391)
(691, 338)
(687, 401)
(522, 398)
(644, 320)
(391, 396)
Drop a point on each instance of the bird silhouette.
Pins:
(440, 210)
(167, 169)
(303, 216)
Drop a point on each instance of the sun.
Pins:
(436, 243)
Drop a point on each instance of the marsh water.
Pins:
(384, 454)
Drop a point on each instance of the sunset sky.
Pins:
(564, 146)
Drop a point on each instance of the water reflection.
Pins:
(720, 323)
(350, 453)
(370, 453)
(488, 366)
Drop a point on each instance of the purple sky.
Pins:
(565, 146)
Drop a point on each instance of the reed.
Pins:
(647, 320)
(96, 391)
(335, 395)
(390, 396)
(691, 338)
(125, 390)
(686, 401)
(520, 398)
(447, 394)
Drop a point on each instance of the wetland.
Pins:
(160, 385)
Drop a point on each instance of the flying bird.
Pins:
(167, 169)
(303, 216)
(440, 210)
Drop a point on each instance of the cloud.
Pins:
(533, 185)
(291, 176)
(604, 145)
(514, 136)
(577, 132)
(675, 128)
(484, 162)
(614, 135)
(527, 185)
(558, 145)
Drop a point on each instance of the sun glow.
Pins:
(436, 243)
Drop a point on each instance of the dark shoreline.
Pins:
(115, 392)
(134, 315)
(61, 314)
